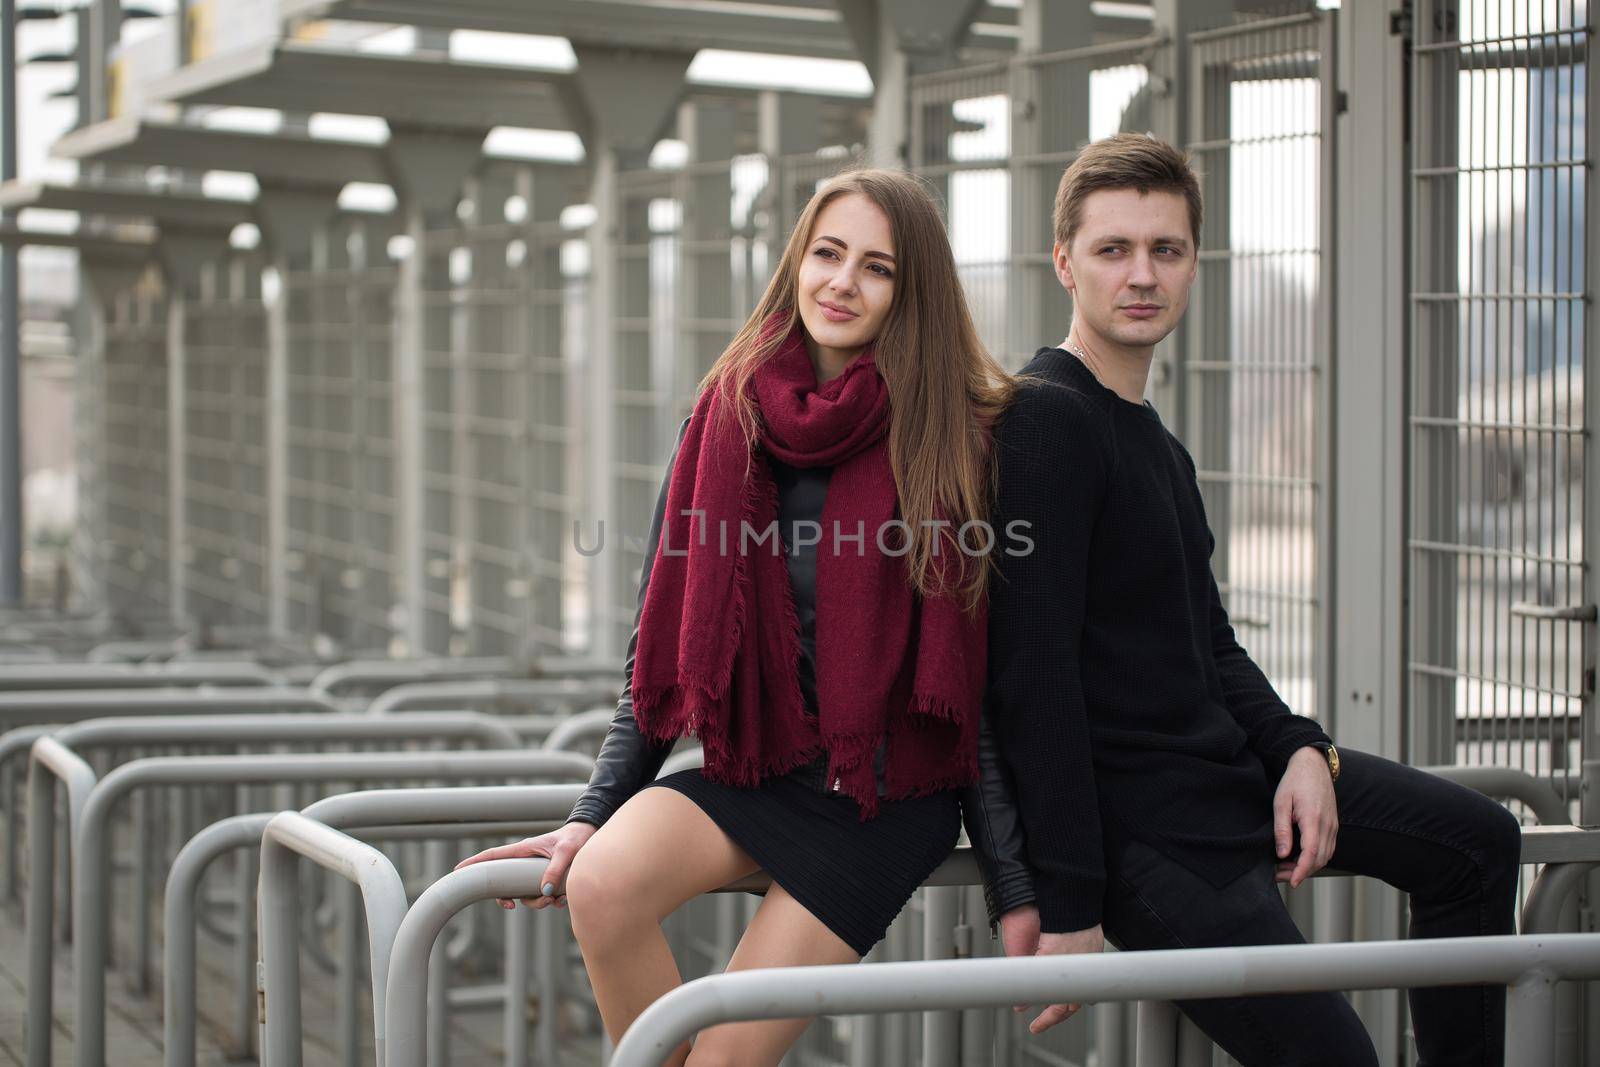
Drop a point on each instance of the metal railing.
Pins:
(90, 806)
(1531, 966)
(393, 812)
(65, 706)
(1567, 853)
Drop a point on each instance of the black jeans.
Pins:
(1454, 851)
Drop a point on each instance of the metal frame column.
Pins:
(287, 219)
(428, 168)
(627, 98)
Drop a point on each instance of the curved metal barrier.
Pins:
(1530, 965)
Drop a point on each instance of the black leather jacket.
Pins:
(628, 760)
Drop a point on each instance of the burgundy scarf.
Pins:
(719, 641)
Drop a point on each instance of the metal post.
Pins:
(941, 1030)
(1531, 1018)
(177, 432)
(382, 892)
(347, 898)
(244, 948)
(10, 332)
(518, 962)
(408, 433)
(1157, 1041)
(276, 415)
(41, 913)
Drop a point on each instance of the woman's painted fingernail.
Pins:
(549, 888)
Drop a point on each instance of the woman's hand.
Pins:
(559, 846)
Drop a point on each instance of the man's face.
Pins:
(1130, 265)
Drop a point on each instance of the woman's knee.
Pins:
(601, 895)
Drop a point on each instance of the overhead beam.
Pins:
(790, 27)
(436, 91)
(289, 158)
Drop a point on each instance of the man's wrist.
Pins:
(1327, 754)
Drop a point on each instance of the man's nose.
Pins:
(1143, 275)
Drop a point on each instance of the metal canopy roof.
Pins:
(792, 27)
(412, 90)
(292, 159)
(99, 246)
(163, 207)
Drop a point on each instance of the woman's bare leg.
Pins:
(657, 852)
(782, 934)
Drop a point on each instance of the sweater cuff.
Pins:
(1074, 906)
(1276, 756)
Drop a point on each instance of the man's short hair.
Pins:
(1125, 161)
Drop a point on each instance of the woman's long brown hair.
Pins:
(945, 390)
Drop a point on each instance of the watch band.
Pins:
(1331, 754)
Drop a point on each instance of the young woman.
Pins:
(834, 679)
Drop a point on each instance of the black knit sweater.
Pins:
(1117, 691)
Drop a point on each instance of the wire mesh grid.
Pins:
(340, 471)
(224, 447)
(1500, 303)
(1257, 340)
(134, 469)
(993, 140)
(498, 420)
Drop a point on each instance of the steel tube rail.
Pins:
(130, 675)
(586, 726)
(392, 672)
(91, 913)
(540, 694)
(516, 878)
(403, 813)
(419, 930)
(1529, 964)
(50, 758)
(1503, 783)
(408, 991)
(288, 835)
(272, 728)
(63, 705)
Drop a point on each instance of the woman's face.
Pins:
(846, 278)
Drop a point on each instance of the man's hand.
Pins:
(1306, 800)
(1019, 933)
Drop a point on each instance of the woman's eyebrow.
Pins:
(841, 244)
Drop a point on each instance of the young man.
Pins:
(1142, 781)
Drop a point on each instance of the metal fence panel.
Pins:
(1500, 304)
(499, 404)
(343, 568)
(134, 465)
(1257, 340)
(994, 140)
(224, 448)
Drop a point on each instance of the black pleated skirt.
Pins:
(854, 876)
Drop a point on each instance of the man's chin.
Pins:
(1139, 334)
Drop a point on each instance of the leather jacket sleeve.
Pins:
(628, 759)
(994, 826)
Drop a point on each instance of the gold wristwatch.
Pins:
(1331, 754)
